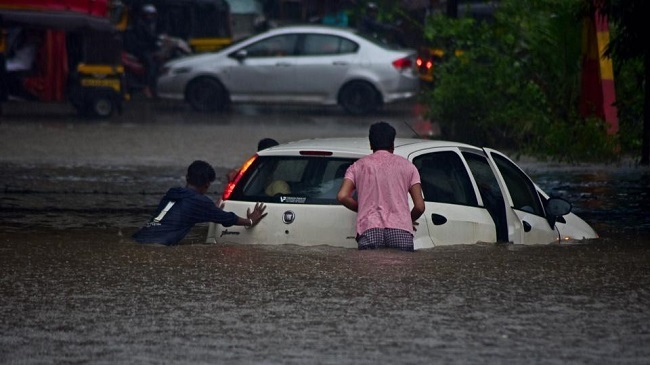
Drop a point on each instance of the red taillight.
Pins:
(403, 63)
(419, 62)
(231, 185)
(429, 65)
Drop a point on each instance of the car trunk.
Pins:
(299, 224)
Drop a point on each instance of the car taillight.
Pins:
(231, 185)
(403, 63)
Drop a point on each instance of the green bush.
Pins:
(516, 83)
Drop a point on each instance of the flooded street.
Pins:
(75, 289)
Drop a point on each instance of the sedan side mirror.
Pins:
(556, 208)
(240, 55)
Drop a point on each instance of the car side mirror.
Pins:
(556, 208)
(240, 55)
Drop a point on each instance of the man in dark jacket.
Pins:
(141, 40)
(183, 207)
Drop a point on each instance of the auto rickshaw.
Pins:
(75, 57)
(204, 24)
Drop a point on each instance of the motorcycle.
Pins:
(168, 48)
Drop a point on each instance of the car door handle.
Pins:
(438, 219)
(283, 64)
(527, 226)
(339, 63)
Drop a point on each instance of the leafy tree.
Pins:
(517, 82)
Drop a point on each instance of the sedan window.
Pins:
(278, 46)
(445, 179)
(322, 44)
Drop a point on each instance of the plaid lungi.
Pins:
(385, 237)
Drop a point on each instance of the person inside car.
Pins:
(383, 182)
(183, 207)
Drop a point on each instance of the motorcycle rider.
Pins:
(141, 40)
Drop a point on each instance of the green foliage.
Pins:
(629, 102)
(516, 84)
(584, 140)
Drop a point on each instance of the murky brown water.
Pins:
(75, 289)
(74, 297)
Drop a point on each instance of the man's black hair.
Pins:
(200, 173)
(382, 136)
(265, 143)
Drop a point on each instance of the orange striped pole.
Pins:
(598, 91)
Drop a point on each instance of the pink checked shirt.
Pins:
(382, 181)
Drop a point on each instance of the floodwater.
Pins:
(75, 289)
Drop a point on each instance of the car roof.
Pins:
(310, 27)
(354, 147)
(332, 30)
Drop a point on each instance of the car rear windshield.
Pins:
(292, 180)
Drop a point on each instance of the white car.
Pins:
(472, 195)
(305, 64)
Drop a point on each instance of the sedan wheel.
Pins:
(206, 95)
(359, 98)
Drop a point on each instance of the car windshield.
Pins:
(295, 179)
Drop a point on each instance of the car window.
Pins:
(314, 180)
(491, 195)
(278, 46)
(488, 185)
(522, 191)
(322, 44)
(445, 179)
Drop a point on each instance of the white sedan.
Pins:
(472, 195)
(306, 64)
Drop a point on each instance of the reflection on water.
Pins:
(75, 289)
(610, 201)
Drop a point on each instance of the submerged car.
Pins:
(304, 64)
(472, 195)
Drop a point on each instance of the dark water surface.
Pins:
(75, 289)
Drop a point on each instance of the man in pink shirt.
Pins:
(383, 182)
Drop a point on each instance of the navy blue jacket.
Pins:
(179, 210)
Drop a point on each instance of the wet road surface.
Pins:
(75, 289)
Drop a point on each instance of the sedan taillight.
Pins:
(403, 63)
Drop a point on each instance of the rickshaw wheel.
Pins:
(100, 106)
(206, 95)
